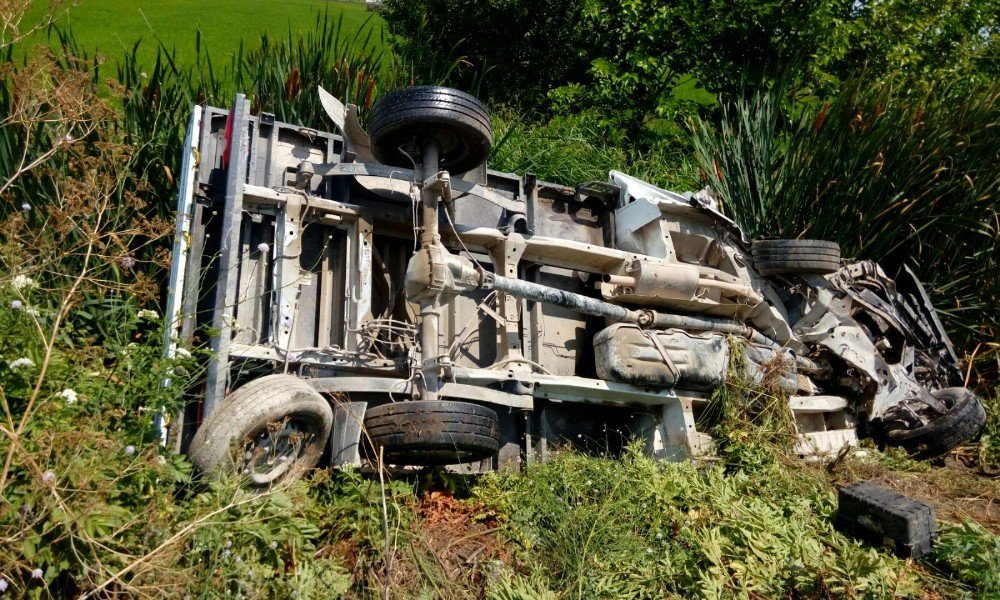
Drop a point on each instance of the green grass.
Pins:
(112, 27)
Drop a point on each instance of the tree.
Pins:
(526, 47)
(633, 53)
(924, 41)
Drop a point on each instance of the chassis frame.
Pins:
(291, 255)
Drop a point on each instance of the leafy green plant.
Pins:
(83, 484)
(748, 416)
(518, 587)
(574, 149)
(973, 554)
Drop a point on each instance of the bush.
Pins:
(518, 49)
(574, 149)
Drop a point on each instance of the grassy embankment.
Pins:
(112, 27)
(91, 504)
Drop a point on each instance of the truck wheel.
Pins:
(965, 418)
(457, 121)
(788, 257)
(272, 427)
(433, 433)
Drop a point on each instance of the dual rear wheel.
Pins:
(276, 427)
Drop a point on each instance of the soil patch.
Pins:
(460, 534)
(454, 550)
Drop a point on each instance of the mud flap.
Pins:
(345, 437)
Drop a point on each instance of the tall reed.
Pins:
(899, 179)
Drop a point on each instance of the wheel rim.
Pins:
(270, 453)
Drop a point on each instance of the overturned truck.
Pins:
(381, 295)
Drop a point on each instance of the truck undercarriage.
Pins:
(382, 291)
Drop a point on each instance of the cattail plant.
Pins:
(890, 176)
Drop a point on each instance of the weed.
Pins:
(748, 416)
(595, 528)
(518, 587)
(973, 555)
(573, 149)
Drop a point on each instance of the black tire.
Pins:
(965, 418)
(433, 433)
(457, 121)
(791, 257)
(272, 428)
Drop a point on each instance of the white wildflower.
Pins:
(21, 282)
(180, 352)
(68, 395)
(151, 315)
(16, 304)
(31, 311)
(21, 363)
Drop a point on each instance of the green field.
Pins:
(111, 27)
